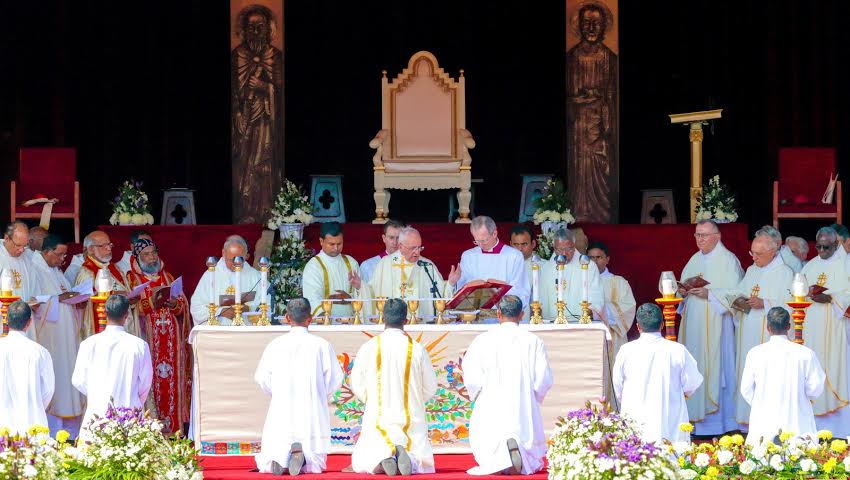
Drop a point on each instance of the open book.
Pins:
(693, 282)
(478, 294)
(227, 300)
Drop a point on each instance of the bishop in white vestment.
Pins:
(26, 375)
(390, 239)
(780, 381)
(301, 373)
(224, 280)
(506, 371)
(389, 369)
(825, 331)
(58, 328)
(652, 376)
(707, 331)
(19, 265)
(492, 259)
(329, 274)
(572, 282)
(113, 366)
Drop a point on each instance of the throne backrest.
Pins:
(806, 171)
(423, 111)
(49, 171)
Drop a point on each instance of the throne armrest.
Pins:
(468, 144)
(378, 144)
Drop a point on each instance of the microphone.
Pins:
(423, 263)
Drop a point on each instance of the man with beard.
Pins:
(98, 255)
(256, 86)
(128, 260)
(164, 321)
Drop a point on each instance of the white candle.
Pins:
(6, 281)
(104, 283)
(667, 287)
(560, 283)
(264, 286)
(535, 283)
(238, 286)
(798, 289)
(584, 283)
(214, 296)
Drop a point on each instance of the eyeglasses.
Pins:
(415, 249)
(103, 245)
(15, 244)
(757, 254)
(824, 247)
(700, 236)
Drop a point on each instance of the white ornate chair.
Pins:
(423, 143)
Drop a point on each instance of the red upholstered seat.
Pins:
(50, 173)
(804, 173)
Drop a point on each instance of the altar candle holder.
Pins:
(7, 297)
(264, 292)
(561, 305)
(238, 319)
(103, 286)
(799, 289)
(586, 316)
(536, 317)
(669, 303)
(212, 306)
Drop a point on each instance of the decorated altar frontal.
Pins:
(231, 408)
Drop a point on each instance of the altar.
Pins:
(231, 408)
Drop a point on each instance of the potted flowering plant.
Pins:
(717, 202)
(130, 206)
(291, 211)
(553, 210)
(33, 454)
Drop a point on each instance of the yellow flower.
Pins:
(829, 466)
(784, 436)
(725, 441)
(4, 432)
(838, 446)
(62, 436)
(36, 429)
(705, 447)
(682, 461)
(686, 427)
(824, 435)
(712, 471)
(772, 447)
(738, 439)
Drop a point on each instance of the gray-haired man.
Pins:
(225, 284)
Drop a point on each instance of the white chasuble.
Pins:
(506, 370)
(323, 276)
(225, 284)
(779, 381)
(707, 331)
(394, 272)
(502, 262)
(652, 376)
(60, 336)
(393, 376)
(24, 279)
(26, 382)
(298, 411)
(573, 290)
(825, 332)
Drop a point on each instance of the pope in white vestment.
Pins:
(19, 265)
(113, 365)
(225, 284)
(26, 377)
(58, 328)
(388, 369)
(506, 371)
(652, 376)
(301, 372)
(329, 274)
(708, 332)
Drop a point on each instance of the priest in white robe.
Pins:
(58, 328)
(389, 369)
(785, 254)
(405, 274)
(506, 370)
(26, 374)
(125, 264)
(113, 366)
(572, 281)
(492, 259)
(652, 378)
(764, 286)
(329, 274)
(522, 239)
(825, 331)
(780, 380)
(297, 433)
(390, 239)
(212, 286)
(19, 265)
(707, 331)
(798, 247)
(37, 234)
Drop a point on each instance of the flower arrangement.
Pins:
(717, 202)
(545, 245)
(32, 455)
(289, 258)
(130, 206)
(290, 206)
(595, 443)
(795, 457)
(553, 205)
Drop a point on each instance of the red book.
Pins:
(816, 290)
(693, 282)
(479, 294)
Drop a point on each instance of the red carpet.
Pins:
(449, 467)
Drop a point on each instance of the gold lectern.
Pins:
(696, 120)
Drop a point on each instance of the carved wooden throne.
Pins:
(423, 143)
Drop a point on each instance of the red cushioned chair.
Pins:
(803, 176)
(50, 173)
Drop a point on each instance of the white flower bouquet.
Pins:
(32, 455)
(130, 206)
(717, 202)
(290, 206)
(289, 258)
(553, 205)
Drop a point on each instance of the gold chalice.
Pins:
(327, 306)
(356, 305)
(379, 306)
(412, 307)
(467, 317)
(440, 306)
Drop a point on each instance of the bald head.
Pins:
(37, 235)
(98, 246)
(16, 238)
(763, 250)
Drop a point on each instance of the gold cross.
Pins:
(754, 293)
(231, 290)
(17, 278)
(821, 279)
(402, 266)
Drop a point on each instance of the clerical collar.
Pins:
(116, 328)
(777, 260)
(606, 273)
(835, 255)
(495, 250)
(508, 324)
(298, 329)
(779, 338)
(651, 334)
(333, 259)
(713, 250)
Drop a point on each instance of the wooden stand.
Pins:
(799, 304)
(668, 309)
(695, 120)
(6, 299)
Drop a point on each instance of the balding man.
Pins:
(825, 331)
(784, 253)
(564, 246)
(764, 286)
(98, 250)
(14, 259)
(709, 333)
(225, 284)
(37, 235)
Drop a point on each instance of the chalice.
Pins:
(356, 305)
(379, 306)
(327, 306)
(440, 306)
(412, 306)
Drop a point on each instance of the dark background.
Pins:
(143, 92)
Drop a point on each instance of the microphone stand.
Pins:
(435, 292)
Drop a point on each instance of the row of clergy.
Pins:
(60, 322)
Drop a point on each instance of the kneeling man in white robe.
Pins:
(506, 370)
(780, 381)
(300, 371)
(389, 369)
(113, 366)
(26, 374)
(652, 377)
